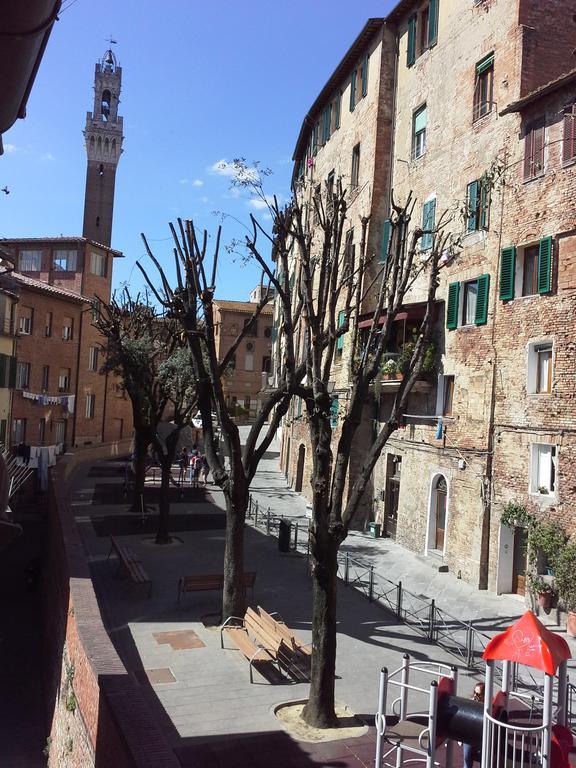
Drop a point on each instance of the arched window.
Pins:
(106, 146)
(113, 147)
(105, 105)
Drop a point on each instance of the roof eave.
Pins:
(540, 93)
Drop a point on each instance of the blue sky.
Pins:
(202, 83)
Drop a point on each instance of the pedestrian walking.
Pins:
(205, 469)
(183, 462)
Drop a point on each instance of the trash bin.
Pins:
(374, 530)
(284, 536)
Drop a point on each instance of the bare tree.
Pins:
(191, 302)
(331, 282)
(145, 351)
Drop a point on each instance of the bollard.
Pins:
(399, 600)
(371, 584)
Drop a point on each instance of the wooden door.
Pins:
(519, 562)
(391, 513)
(440, 514)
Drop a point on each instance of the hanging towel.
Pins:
(71, 402)
(439, 430)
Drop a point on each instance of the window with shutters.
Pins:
(428, 224)
(526, 270)
(353, 79)
(90, 406)
(543, 469)
(540, 368)
(22, 375)
(477, 206)
(364, 76)
(422, 31)
(534, 151)
(419, 122)
(93, 354)
(18, 431)
(45, 377)
(569, 136)
(385, 247)
(468, 303)
(483, 87)
(64, 380)
(340, 339)
(355, 173)
(67, 329)
(336, 109)
(25, 318)
(445, 395)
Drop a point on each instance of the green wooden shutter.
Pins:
(353, 91)
(545, 265)
(484, 204)
(12, 373)
(485, 63)
(482, 300)
(386, 229)
(334, 412)
(428, 218)
(365, 76)
(452, 308)
(340, 339)
(337, 106)
(433, 23)
(472, 206)
(411, 49)
(507, 272)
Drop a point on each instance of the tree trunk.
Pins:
(233, 596)
(139, 467)
(319, 711)
(163, 532)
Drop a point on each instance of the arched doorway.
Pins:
(300, 468)
(441, 494)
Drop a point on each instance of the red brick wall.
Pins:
(39, 351)
(111, 724)
(548, 41)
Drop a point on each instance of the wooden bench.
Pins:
(200, 582)
(265, 650)
(130, 563)
(301, 653)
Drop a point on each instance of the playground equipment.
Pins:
(510, 729)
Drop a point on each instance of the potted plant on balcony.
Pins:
(407, 350)
(390, 370)
(543, 589)
(565, 577)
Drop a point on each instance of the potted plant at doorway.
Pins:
(565, 576)
(390, 370)
(544, 590)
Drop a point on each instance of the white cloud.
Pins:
(226, 168)
(183, 181)
(47, 156)
(9, 148)
(259, 204)
(197, 183)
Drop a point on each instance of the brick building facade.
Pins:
(248, 373)
(488, 145)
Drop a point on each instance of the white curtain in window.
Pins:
(545, 361)
(544, 467)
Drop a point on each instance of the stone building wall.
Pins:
(538, 208)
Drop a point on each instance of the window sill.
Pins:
(544, 498)
(479, 121)
(533, 178)
(569, 163)
(475, 236)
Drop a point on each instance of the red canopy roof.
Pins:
(530, 643)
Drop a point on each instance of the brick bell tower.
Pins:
(103, 135)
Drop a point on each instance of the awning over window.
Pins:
(413, 312)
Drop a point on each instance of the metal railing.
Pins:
(460, 639)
